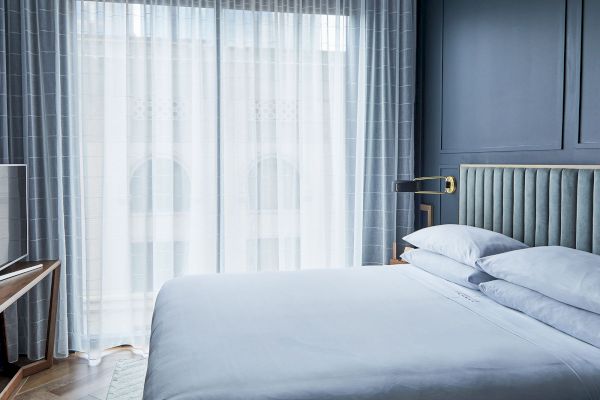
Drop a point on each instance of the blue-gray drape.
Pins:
(36, 125)
(390, 44)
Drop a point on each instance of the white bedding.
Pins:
(362, 333)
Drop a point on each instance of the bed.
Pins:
(385, 332)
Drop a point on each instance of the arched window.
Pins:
(159, 185)
(274, 185)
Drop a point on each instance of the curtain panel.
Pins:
(38, 128)
(387, 105)
(174, 137)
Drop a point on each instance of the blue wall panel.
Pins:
(504, 82)
(590, 75)
(503, 74)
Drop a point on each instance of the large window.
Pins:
(214, 140)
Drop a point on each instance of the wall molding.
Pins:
(574, 147)
(581, 143)
(557, 142)
(498, 149)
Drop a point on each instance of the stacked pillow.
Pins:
(451, 251)
(556, 285)
(446, 268)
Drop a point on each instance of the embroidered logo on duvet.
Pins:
(467, 297)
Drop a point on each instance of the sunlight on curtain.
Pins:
(282, 139)
(213, 141)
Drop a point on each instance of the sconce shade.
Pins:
(416, 185)
(407, 186)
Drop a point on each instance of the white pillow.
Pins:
(462, 243)
(446, 268)
(567, 275)
(581, 324)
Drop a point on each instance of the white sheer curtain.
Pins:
(282, 159)
(214, 139)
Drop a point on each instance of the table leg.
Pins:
(47, 362)
(8, 369)
(13, 371)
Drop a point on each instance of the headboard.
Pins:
(536, 204)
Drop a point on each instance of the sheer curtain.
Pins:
(231, 136)
(282, 120)
(149, 127)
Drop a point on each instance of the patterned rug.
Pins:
(128, 380)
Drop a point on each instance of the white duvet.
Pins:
(360, 333)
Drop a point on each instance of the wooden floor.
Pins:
(73, 378)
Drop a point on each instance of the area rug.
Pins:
(128, 380)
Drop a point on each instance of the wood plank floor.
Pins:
(73, 378)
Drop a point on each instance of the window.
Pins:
(266, 253)
(250, 103)
(164, 258)
(331, 30)
(159, 186)
(274, 185)
(145, 20)
(214, 134)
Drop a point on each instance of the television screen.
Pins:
(13, 213)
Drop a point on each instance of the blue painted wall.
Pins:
(506, 81)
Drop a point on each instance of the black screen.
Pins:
(13, 213)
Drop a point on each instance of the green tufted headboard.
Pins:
(536, 204)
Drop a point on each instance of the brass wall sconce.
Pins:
(416, 185)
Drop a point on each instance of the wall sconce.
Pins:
(416, 185)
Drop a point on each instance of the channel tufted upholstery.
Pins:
(537, 205)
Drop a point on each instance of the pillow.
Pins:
(446, 268)
(462, 243)
(567, 275)
(581, 324)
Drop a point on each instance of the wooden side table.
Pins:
(11, 290)
(395, 260)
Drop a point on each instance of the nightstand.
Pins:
(395, 260)
(11, 290)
